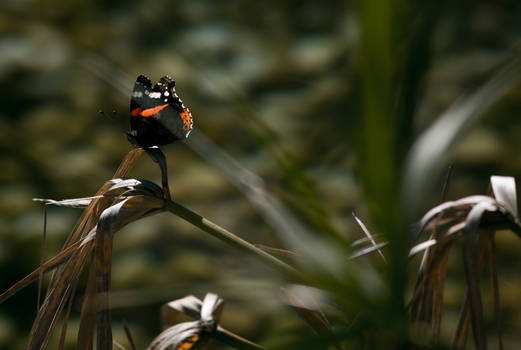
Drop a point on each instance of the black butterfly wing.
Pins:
(177, 118)
(139, 97)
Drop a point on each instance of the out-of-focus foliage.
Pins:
(321, 100)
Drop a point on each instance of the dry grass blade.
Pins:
(234, 340)
(69, 203)
(55, 301)
(426, 302)
(470, 236)
(49, 265)
(428, 293)
(119, 346)
(362, 241)
(42, 259)
(129, 187)
(421, 247)
(495, 290)
(437, 297)
(369, 236)
(61, 344)
(103, 263)
(461, 335)
(367, 250)
(129, 335)
(482, 250)
(88, 313)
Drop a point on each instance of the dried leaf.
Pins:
(464, 203)
(70, 203)
(189, 305)
(421, 247)
(504, 190)
(470, 248)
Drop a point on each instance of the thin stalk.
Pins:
(230, 238)
(234, 340)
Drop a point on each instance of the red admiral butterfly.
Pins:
(157, 115)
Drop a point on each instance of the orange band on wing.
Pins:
(135, 112)
(151, 111)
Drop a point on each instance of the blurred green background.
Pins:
(289, 90)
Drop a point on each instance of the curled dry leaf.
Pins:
(193, 334)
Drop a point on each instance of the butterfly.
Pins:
(157, 115)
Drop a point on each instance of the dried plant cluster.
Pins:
(472, 221)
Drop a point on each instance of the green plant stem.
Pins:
(230, 238)
(234, 340)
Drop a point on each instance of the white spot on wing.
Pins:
(155, 95)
